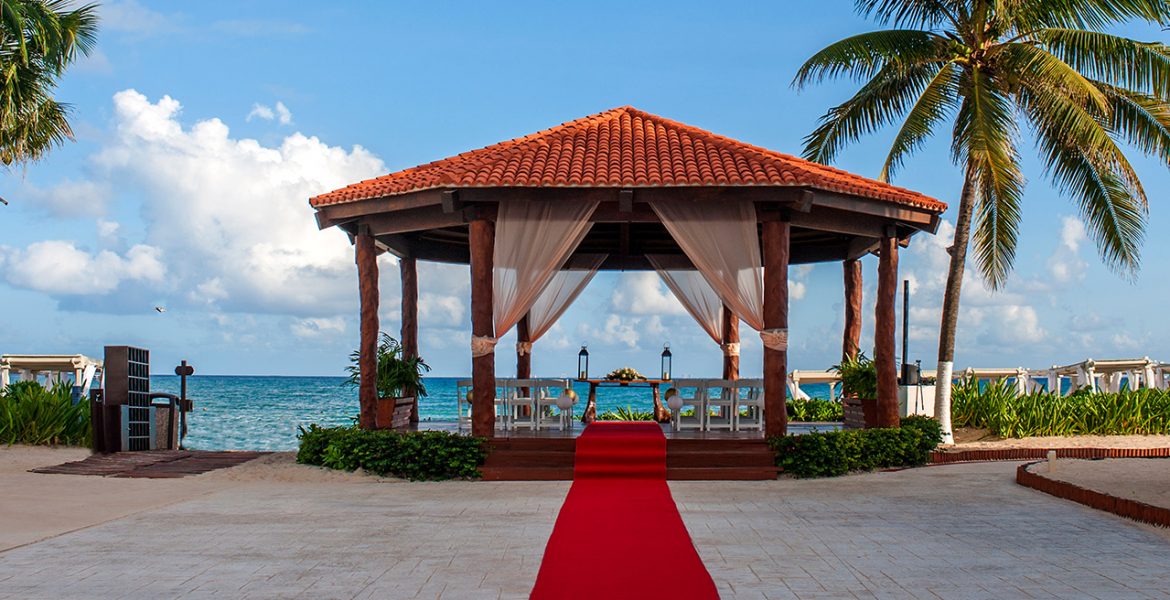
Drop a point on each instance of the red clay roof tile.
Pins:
(623, 147)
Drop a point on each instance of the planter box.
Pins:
(393, 413)
(859, 413)
(916, 400)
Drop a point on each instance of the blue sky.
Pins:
(202, 129)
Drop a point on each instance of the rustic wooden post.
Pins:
(776, 247)
(887, 373)
(483, 368)
(851, 340)
(366, 257)
(730, 336)
(409, 270)
(523, 359)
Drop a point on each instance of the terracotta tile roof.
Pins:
(623, 147)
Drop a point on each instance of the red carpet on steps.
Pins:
(619, 534)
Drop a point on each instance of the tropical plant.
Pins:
(398, 375)
(625, 374)
(415, 455)
(31, 414)
(983, 66)
(39, 39)
(832, 453)
(858, 376)
(625, 413)
(814, 409)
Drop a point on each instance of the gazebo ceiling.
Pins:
(626, 158)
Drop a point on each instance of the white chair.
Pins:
(697, 402)
(463, 418)
(545, 393)
(722, 399)
(520, 403)
(751, 397)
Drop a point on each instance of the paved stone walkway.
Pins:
(964, 531)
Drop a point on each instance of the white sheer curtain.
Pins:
(560, 293)
(695, 294)
(533, 240)
(722, 241)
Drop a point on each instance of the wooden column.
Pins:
(730, 336)
(409, 270)
(776, 248)
(483, 368)
(523, 361)
(851, 340)
(887, 374)
(367, 265)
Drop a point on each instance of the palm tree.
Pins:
(38, 40)
(983, 67)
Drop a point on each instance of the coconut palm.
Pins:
(983, 67)
(38, 40)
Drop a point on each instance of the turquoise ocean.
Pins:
(263, 413)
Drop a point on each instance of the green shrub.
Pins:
(625, 414)
(814, 409)
(858, 376)
(31, 414)
(998, 408)
(833, 453)
(415, 455)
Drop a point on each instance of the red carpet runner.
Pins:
(619, 534)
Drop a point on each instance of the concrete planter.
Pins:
(916, 400)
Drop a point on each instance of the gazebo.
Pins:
(628, 190)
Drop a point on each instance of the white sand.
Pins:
(1142, 479)
(976, 439)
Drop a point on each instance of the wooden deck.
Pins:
(152, 464)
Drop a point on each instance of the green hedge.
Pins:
(415, 455)
(998, 408)
(814, 409)
(31, 414)
(833, 453)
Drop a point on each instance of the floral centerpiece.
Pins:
(625, 374)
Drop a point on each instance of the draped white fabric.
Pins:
(695, 294)
(533, 240)
(722, 241)
(560, 292)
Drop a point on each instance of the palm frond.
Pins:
(862, 56)
(1140, 119)
(939, 99)
(1118, 61)
(911, 13)
(1095, 14)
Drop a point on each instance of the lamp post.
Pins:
(583, 363)
(666, 359)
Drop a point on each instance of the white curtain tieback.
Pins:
(730, 349)
(482, 345)
(523, 348)
(775, 339)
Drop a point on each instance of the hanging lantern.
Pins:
(583, 363)
(666, 362)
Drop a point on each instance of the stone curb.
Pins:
(943, 457)
(1131, 509)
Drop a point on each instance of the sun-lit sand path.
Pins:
(271, 529)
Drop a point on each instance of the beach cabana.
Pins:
(628, 190)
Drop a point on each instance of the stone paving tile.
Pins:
(961, 531)
(956, 532)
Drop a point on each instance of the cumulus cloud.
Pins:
(318, 327)
(623, 330)
(60, 267)
(279, 113)
(72, 199)
(131, 17)
(643, 293)
(1066, 264)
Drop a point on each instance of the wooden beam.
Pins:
(884, 323)
(776, 246)
(333, 214)
(449, 199)
(877, 208)
(483, 368)
(730, 336)
(839, 221)
(626, 201)
(860, 246)
(419, 219)
(408, 269)
(396, 244)
(367, 267)
(851, 338)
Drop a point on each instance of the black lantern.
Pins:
(666, 361)
(583, 364)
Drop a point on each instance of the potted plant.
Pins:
(859, 390)
(399, 382)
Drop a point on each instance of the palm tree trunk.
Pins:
(950, 310)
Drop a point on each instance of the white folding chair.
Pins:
(520, 404)
(721, 404)
(463, 417)
(751, 398)
(545, 393)
(696, 402)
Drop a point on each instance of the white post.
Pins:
(942, 400)
(5, 370)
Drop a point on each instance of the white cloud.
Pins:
(318, 327)
(108, 232)
(60, 267)
(72, 199)
(130, 16)
(643, 293)
(1066, 263)
(626, 331)
(280, 113)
